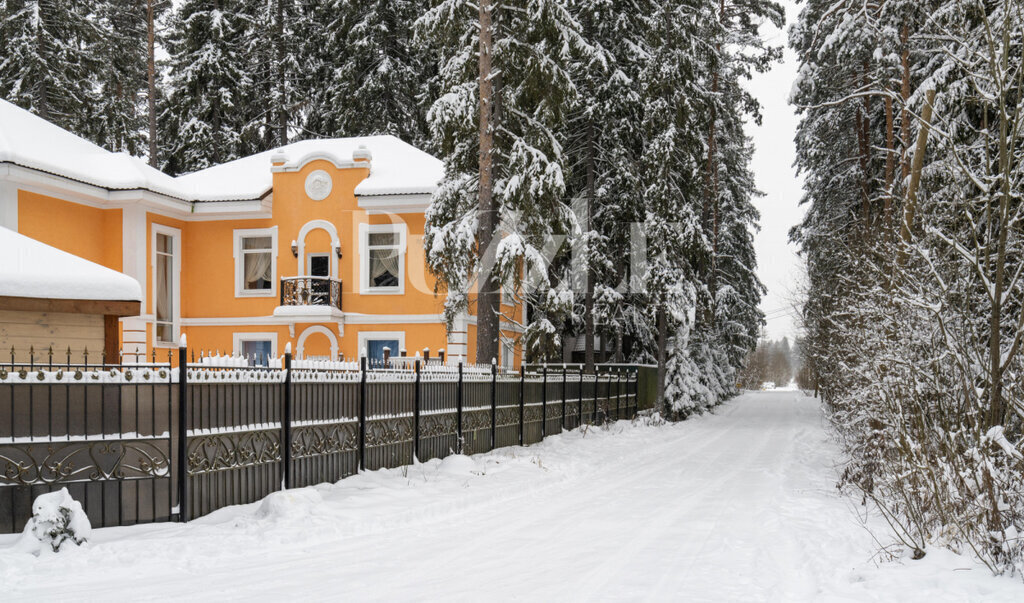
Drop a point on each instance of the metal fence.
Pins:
(139, 443)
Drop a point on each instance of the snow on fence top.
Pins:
(34, 269)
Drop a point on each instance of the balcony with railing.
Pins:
(321, 291)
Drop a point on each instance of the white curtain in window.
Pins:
(163, 288)
(383, 261)
(257, 266)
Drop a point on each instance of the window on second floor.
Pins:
(255, 262)
(383, 258)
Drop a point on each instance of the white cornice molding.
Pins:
(90, 195)
(294, 166)
(394, 204)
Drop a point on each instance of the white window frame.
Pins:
(309, 262)
(239, 256)
(508, 353)
(364, 258)
(175, 234)
(366, 336)
(239, 338)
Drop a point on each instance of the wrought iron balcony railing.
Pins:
(311, 291)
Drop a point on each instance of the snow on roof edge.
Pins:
(36, 270)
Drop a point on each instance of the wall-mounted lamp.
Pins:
(295, 248)
(337, 250)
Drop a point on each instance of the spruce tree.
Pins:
(506, 89)
(206, 112)
(51, 55)
(377, 75)
(118, 118)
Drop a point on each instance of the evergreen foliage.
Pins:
(609, 188)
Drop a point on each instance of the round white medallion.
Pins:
(318, 185)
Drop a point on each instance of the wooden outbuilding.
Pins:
(51, 299)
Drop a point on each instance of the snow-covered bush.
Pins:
(57, 519)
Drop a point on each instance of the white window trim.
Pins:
(175, 234)
(508, 353)
(241, 233)
(365, 336)
(239, 338)
(309, 262)
(364, 258)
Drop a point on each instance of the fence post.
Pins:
(581, 397)
(416, 416)
(362, 413)
(597, 381)
(563, 396)
(522, 386)
(183, 431)
(494, 403)
(618, 393)
(544, 405)
(458, 407)
(286, 423)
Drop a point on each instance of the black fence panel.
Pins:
(325, 430)
(234, 438)
(104, 434)
(111, 434)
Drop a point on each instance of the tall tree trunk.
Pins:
(588, 299)
(910, 205)
(996, 411)
(487, 330)
(154, 158)
(905, 95)
(662, 356)
(863, 127)
(890, 167)
(282, 87)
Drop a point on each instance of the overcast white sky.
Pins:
(778, 265)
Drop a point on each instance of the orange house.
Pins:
(318, 243)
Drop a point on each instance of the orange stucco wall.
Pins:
(208, 265)
(88, 232)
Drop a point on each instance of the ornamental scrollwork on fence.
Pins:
(217, 452)
(508, 416)
(533, 414)
(436, 425)
(97, 460)
(316, 440)
(380, 432)
(476, 420)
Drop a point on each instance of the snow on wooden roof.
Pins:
(33, 269)
(396, 168)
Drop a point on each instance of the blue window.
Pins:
(257, 351)
(375, 348)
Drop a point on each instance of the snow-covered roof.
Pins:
(396, 167)
(34, 269)
(31, 141)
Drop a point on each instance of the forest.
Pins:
(594, 151)
(911, 146)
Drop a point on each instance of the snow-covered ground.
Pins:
(739, 505)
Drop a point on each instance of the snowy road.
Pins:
(737, 506)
